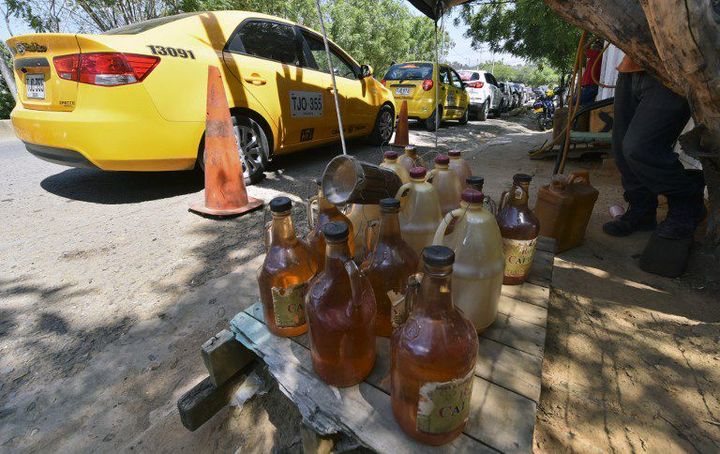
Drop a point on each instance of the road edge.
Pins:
(6, 130)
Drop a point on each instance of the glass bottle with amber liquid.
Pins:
(388, 268)
(519, 229)
(340, 309)
(433, 358)
(285, 274)
(327, 212)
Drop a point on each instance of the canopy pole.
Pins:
(437, 85)
(332, 75)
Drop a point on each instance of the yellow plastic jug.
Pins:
(446, 183)
(420, 213)
(390, 161)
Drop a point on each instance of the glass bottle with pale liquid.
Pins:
(446, 183)
(327, 212)
(459, 165)
(479, 259)
(433, 358)
(519, 229)
(340, 310)
(388, 268)
(285, 274)
(420, 212)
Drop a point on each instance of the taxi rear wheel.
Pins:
(430, 123)
(384, 126)
(465, 117)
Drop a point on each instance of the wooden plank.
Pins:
(524, 311)
(362, 411)
(542, 268)
(517, 334)
(530, 293)
(510, 368)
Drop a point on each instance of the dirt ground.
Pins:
(108, 287)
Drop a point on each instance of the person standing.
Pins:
(588, 83)
(648, 120)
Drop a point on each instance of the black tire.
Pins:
(484, 111)
(248, 132)
(384, 126)
(466, 116)
(430, 124)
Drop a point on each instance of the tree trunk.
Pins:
(7, 74)
(677, 41)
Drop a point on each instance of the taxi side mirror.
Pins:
(366, 71)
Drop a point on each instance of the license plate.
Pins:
(306, 104)
(403, 91)
(35, 85)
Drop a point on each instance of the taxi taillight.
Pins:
(427, 84)
(105, 68)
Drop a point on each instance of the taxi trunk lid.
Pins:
(39, 86)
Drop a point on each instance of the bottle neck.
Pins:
(389, 226)
(336, 254)
(282, 230)
(441, 167)
(519, 194)
(435, 295)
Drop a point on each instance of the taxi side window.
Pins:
(444, 76)
(316, 58)
(457, 82)
(266, 39)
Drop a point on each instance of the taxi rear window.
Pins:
(410, 71)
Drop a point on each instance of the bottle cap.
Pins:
(442, 159)
(418, 172)
(475, 182)
(522, 178)
(391, 155)
(280, 204)
(454, 153)
(390, 203)
(472, 196)
(438, 256)
(335, 231)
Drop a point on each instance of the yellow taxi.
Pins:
(133, 98)
(416, 83)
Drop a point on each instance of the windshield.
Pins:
(140, 27)
(469, 76)
(410, 71)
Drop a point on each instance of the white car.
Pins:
(484, 91)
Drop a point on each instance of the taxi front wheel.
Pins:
(384, 126)
(253, 148)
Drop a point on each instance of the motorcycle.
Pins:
(544, 109)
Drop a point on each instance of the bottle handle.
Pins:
(431, 175)
(578, 177)
(370, 226)
(308, 207)
(267, 225)
(356, 286)
(411, 292)
(403, 189)
(444, 224)
(504, 198)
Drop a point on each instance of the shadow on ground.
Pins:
(116, 188)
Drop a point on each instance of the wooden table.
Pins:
(505, 393)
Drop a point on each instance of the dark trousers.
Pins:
(648, 120)
(588, 94)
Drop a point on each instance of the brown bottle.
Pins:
(433, 358)
(284, 275)
(340, 309)
(564, 208)
(388, 268)
(519, 229)
(327, 212)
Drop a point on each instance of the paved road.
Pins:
(92, 343)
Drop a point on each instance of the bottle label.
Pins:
(444, 406)
(518, 256)
(398, 308)
(289, 306)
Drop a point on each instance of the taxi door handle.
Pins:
(255, 80)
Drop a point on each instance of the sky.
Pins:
(462, 52)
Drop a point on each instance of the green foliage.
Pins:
(525, 28)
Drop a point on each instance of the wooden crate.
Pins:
(505, 394)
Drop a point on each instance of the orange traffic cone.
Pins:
(225, 193)
(402, 133)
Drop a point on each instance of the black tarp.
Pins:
(436, 8)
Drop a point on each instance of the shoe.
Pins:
(684, 216)
(638, 218)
